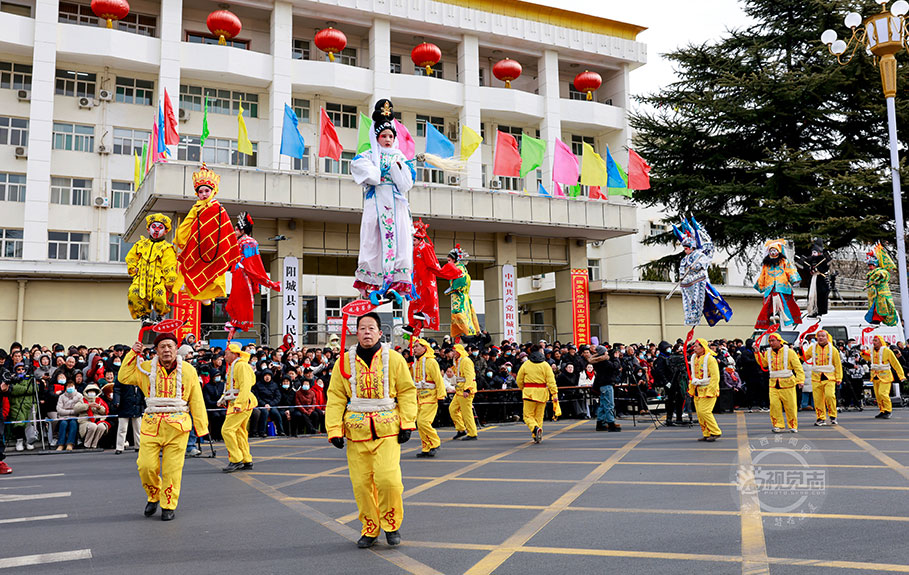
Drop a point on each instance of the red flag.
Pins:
(171, 137)
(508, 158)
(638, 172)
(329, 144)
(595, 193)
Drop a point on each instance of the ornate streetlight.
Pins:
(883, 34)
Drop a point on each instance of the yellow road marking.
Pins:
(754, 546)
(877, 453)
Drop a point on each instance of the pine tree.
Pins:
(764, 135)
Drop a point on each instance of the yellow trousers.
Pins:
(170, 445)
(824, 399)
(461, 412)
(783, 399)
(139, 306)
(704, 408)
(533, 413)
(426, 414)
(882, 394)
(375, 474)
(236, 436)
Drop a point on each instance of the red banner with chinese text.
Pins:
(580, 306)
(189, 315)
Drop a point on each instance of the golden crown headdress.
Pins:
(206, 177)
(159, 218)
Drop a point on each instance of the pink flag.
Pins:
(565, 168)
(558, 190)
(156, 156)
(405, 141)
(638, 172)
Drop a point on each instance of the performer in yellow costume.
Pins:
(152, 263)
(240, 402)
(826, 375)
(172, 390)
(537, 384)
(705, 388)
(427, 378)
(461, 408)
(785, 373)
(373, 403)
(883, 363)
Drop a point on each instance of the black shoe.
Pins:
(880, 415)
(118, 452)
(393, 538)
(668, 423)
(887, 415)
(470, 438)
(613, 427)
(601, 426)
(537, 435)
(231, 467)
(150, 508)
(366, 542)
(167, 515)
(247, 466)
(459, 435)
(424, 454)
(432, 452)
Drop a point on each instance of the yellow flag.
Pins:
(244, 146)
(470, 141)
(593, 168)
(137, 172)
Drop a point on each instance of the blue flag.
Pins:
(291, 141)
(614, 177)
(162, 147)
(542, 191)
(438, 144)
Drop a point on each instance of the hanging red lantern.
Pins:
(330, 40)
(224, 24)
(587, 81)
(507, 70)
(110, 10)
(426, 55)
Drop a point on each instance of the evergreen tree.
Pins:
(765, 135)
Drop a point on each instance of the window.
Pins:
(122, 194)
(219, 101)
(216, 151)
(342, 167)
(82, 14)
(395, 63)
(15, 76)
(575, 94)
(135, 91)
(436, 70)
(482, 77)
(657, 228)
(17, 9)
(67, 246)
(301, 109)
(515, 131)
(12, 187)
(11, 245)
(70, 191)
(333, 305)
(141, 24)
(199, 38)
(483, 131)
(593, 270)
(70, 13)
(79, 84)
(13, 131)
(511, 184)
(302, 164)
(437, 122)
(74, 137)
(426, 173)
(342, 115)
(347, 56)
(127, 142)
(577, 144)
(300, 50)
(118, 248)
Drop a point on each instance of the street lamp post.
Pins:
(883, 34)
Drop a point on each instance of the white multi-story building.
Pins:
(77, 101)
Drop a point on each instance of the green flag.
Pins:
(145, 166)
(205, 131)
(620, 191)
(363, 133)
(574, 191)
(532, 153)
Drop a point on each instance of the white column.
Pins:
(469, 67)
(551, 126)
(170, 26)
(281, 90)
(379, 60)
(40, 131)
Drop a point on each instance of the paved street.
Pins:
(828, 500)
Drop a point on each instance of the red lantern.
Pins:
(587, 81)
(224, 24)
(426, 55)
(507, 70)
(110, 10)
(331, 41)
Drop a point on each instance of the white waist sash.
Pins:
(365, 405)
(165, 405)
(780, 373)
(823, 368)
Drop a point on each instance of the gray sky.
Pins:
(670, 23)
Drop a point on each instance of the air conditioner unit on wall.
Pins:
(453, 180)
(101, 202)
(24, 95)
(86, 103)
(105, 95)
(495, 184)
(183, 115)
(21, 152)
(453, 132)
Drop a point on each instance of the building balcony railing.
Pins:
(325, 197)
(116, 48)
(220, 64)
(342, 81)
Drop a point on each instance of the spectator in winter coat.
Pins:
(268, 393)
(93, 409)
(211, 393)
(22, 402)
(68, 426)
(44, 369)
(288, 398)
(308, 416)
(128, 404)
